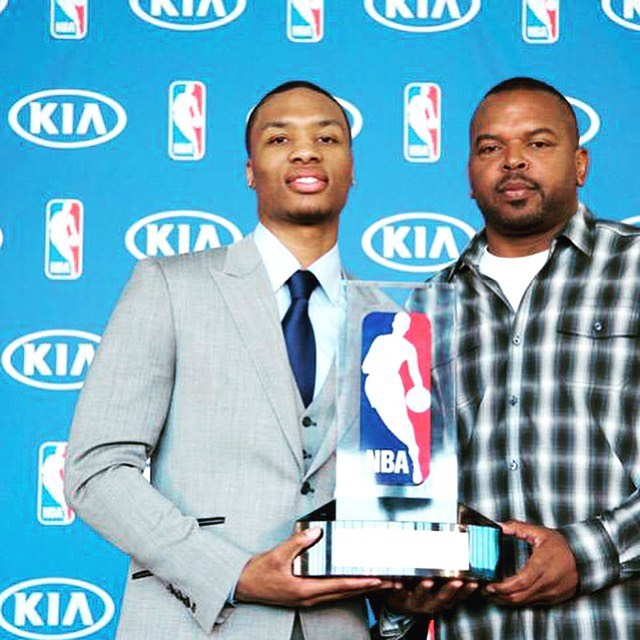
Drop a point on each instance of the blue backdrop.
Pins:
(121, 135)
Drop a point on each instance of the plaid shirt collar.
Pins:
(579, 231)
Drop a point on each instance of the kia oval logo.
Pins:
(416, 242)
(633, 220)
(67, 118)
(172, 232)
(586, 115)
(3, 5)
(62, 608)
(188, 15)
(355, 117)
(418, 16)
(630, 10)
(55, 359)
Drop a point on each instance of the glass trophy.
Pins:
(396, 509)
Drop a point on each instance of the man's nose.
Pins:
(514, 158)
(305, 151)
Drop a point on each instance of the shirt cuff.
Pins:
(596, 556)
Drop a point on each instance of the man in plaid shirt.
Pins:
(548, 384)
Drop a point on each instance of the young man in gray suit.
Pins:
(193, 372)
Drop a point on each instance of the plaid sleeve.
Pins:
(607, 547)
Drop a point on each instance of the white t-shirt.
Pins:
(513, 275)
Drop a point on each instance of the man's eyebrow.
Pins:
(484, 136)
(274, 124)
(534, 132)
(540, 130)
(332, 121)
(282, 124)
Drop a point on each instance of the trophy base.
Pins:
(463, 550)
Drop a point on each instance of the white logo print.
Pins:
(55, 359)
(592, 117)
(355, 116)
(67, 118)
(420, 16)
(170, 232)
(188, 15)
(630, 18)
(62, 608)
(416, 242)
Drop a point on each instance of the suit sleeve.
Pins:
(119, 421)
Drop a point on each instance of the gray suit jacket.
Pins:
(193, 372)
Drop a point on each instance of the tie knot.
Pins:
(301, 284)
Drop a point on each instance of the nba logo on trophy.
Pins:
(64, 239)
(395, 417)
(540, 21)
(422, 122)
(69, 19)
(305, 20)
(52, 507)
(187, 120)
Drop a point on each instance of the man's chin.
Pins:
(309, 218)
(517, 219)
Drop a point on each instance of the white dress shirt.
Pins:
(326, 304)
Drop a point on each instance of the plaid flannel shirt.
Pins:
(549, 424)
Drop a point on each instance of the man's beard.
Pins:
(516, 223)
(309, 218)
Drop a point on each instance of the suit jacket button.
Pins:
(306, 488)
(307, 422)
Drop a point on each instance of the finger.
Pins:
(450, 593)
(329, 597)
(518, 593)
(466, 591)
(528, 577)
(297, 543)
(424, 588)
(520, 530)
(335, 587)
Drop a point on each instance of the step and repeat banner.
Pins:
(121, 137)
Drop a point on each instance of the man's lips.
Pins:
(307, 182)
(516, 189)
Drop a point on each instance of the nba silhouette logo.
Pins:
(395, 401)
(187, 120)
(64, 239)
(540, 21)
(69, 19)
(422, 122)
(52, 507)
(305, 20)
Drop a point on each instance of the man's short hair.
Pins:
(282, 88)
(524, 83)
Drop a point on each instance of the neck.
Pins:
(306, 243)
(515, 247)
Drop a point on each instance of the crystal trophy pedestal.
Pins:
(396, 510)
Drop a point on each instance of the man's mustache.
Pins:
(516, 178)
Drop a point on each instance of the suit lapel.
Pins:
(245, 287)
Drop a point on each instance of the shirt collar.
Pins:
(579, 230)
(281, 264)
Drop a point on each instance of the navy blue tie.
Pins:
(298, 333)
